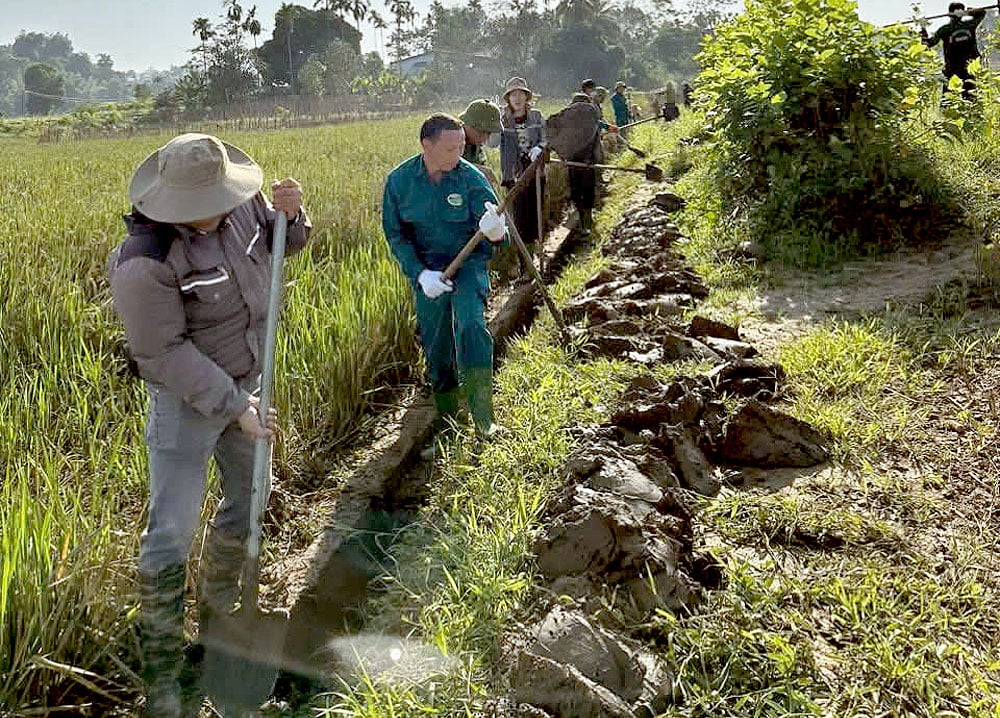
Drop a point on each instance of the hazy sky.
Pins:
(140, 34)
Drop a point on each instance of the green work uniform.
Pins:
(426, 225)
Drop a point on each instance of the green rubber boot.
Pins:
(586, 221)
(161, 640)
(479, 387)
(447, 405)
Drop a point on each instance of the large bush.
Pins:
(812, 112)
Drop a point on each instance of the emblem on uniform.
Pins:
(455, 199)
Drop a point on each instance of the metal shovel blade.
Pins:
(243, 653)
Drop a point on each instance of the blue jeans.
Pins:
(180, 441)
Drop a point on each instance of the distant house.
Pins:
(471, 63)
(413, 65)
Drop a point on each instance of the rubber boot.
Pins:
(586, 221)
(218, 577)
(479, 386)
(447, 405)
(161, 640)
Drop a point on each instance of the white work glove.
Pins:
(491, 224)
(433, 284)
(534, 153)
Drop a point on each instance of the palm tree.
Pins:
(378, 24)
(596, 13)
(358, 10)
(403, 11)
(252, 25)
(202, 28)
(286, 16)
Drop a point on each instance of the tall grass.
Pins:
(72, 485)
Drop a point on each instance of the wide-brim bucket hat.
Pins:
(516, 83)
(193, 177)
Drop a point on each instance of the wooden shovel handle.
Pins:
(508, 200)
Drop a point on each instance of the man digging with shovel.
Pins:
(192, 283)
(432, 205)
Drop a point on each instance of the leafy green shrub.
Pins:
(812, 114)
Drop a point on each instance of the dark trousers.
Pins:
(582, 184)
(526, 213)
(968, 83)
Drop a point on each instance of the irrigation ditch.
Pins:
(617, 539)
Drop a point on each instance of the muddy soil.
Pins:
(617, 540)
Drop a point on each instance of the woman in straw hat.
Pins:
(521, 143)
(191, 283)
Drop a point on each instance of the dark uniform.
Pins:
(958, 37)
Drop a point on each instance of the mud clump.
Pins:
(618, 541)
(574, 667)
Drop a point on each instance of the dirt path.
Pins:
(797, 302)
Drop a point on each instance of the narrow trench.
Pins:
(378, 501)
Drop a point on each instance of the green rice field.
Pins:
(72, 464)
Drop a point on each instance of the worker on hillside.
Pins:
(958, 37)
(665, 102)
(433, 203)
(482, 127)
(191, 283)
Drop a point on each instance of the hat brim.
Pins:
(177, 205)
(515, 89)
(491, 129)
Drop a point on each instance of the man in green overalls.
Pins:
(433, 203)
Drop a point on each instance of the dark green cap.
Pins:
(482, 115)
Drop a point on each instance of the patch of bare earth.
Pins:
(957, 438)
(789, 306)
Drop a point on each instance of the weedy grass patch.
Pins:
(866, 587)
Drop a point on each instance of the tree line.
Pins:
(317, 51)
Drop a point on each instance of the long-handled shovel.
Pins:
(634, 150)
(243, 650)
(540, 215)
(921, 20)
(532, 170)
(639, 122)
(539, 282)
(452, 269)
(652, 172)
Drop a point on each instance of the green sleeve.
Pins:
(398, 235)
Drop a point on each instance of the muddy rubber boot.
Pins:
(479, 385)
(161, 640)
(447, 405)
(218, 576)
(586, 221)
